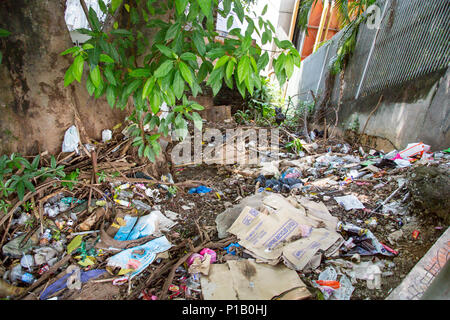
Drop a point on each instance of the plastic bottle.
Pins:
(141, 205)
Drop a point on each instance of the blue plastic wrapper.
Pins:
(200, 189)
(61, 284)
(230, 248)
(124, 231)
(140, 257)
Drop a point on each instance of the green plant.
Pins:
(101, 176)
(3, 33)
(73, 176)
(122, 64)
(242, 117)
(29, 223)
(28, 206)
(4, 206)
(295, 145)
(354, 126)
(172, 190)
(20, 174)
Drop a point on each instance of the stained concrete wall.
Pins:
(411, 111)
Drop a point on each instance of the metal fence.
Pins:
(413, 40)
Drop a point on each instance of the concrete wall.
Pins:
(412, 110)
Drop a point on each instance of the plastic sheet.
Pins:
(61, 284)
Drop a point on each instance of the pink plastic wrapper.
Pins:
(194, 256)
(212, 253)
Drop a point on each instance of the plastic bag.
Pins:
(349, 202)
(71, 140)
(140, 257)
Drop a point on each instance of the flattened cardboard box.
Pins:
(270, 237)
(247, 280)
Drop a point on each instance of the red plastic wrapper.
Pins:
(43, 269)
(415, 234)
(329, 283)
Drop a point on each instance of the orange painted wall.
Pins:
(313, 23)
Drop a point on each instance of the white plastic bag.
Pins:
(106, 135)
(349, 202)
(71, 140)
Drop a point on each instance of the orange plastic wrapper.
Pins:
(329, 283)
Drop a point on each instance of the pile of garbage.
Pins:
(279, 241)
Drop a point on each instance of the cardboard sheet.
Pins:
(252, 281)
(273, 235)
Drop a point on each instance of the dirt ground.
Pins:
(197, 225)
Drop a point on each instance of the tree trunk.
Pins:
(35, 107)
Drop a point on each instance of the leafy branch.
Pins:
(128, 70)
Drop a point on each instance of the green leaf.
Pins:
(92, 16)
(148, 87)
(4, 33)
(230, 22)
(105, 58)
(230, 69)
(289, 65)
(90, 86)
(110, 96)
(132, 86)
(172, 31)
(77, 68)
(199, 43)
(68, 77)
(20, 187)
(243, 68)
(102, 6)
(180, 6)
(28, 185)
(198, 122)
(198, 107)
(164, 69)
(221, 62)
(121, 32)
(87, 46)
(239, 10)
(263, 61)
(115, 4)
(110, 76)
(140, 72)
(70, 50)
(185, 72)
(96, 77)
(169, 53)
(188, 56)
(178, 85)
(205, 6)
(155, 102)
(264, 10)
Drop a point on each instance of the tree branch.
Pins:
(86, 13)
